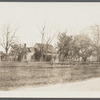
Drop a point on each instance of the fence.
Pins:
(47, 64)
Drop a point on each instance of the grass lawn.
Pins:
(12, 77)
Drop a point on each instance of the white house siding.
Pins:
(29, 56)
(93, 58)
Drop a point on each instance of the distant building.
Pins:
(50, 50)
(24, 53)
(28, 53)
(46, 50)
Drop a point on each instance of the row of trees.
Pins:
(84, 45)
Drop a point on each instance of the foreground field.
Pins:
(12, 77)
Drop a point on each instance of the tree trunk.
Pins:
(84, 59)
(6, 54)
(41, 58)
(98, 57)
(0, 57)
(46, 52)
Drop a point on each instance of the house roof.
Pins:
(51, 49)
(30, 49)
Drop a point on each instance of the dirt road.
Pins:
(88, 88)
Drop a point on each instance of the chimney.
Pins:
(24, 44)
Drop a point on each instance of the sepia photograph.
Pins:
(49, 49)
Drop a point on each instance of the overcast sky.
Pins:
(56, 16)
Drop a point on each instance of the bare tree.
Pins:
(8, 38)
(95, 36)
(47, 37)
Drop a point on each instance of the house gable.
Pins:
(50, 49)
